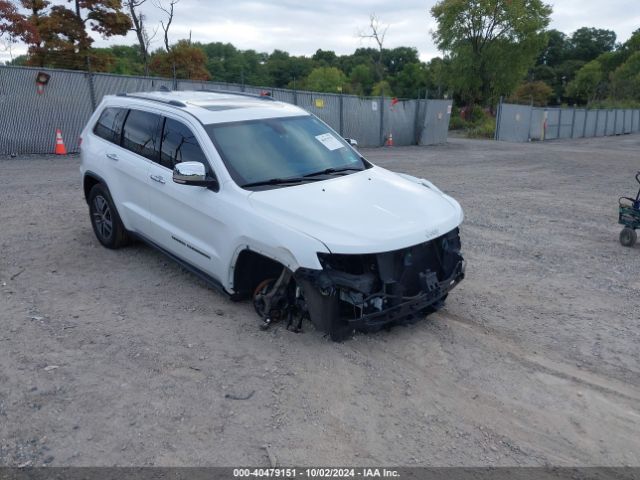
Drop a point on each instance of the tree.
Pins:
(120, 59)
(183, 60)
(15, 26)
(587, 44)
(140, 28)
(395, 59)
(584, 87)
(325, 58)
(491, 43)
(284, 69)
(382, 88)
(556, 50)
(377, 32)
(410, 82)
(436, 71)
(57, 35)
(166, 24)
(325, 79)
(361, 79)
(625, 80)
(632, 45)
(537, 93)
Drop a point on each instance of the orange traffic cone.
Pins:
(60, 148)
(389, 141)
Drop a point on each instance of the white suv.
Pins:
(263, 200)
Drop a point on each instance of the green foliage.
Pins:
(283, 68)
(609, 103)
(361, 79)
(536, 92)
(456, 122)
(476, 115)
(486, 128)
(609, 79)
(325, 79)
(555, 51)
(625, 81)
(478, 124)
(224, 62)
(584, 87)
(382, 88)
(411, 81)
(492, 48)
(120, 59)
(491, 43)
(19, 61)
(586, 44)
(561, 61)
(325, 58)
(396, 59)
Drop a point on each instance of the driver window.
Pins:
(179, 144)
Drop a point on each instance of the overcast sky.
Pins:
(301, 27)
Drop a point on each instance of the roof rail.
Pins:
(241, 94)
(175, 103)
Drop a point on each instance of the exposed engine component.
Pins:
(365, 292)
(277, 299)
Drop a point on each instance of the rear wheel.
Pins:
(628, 237)
(105, 220)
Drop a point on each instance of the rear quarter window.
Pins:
(109, 125)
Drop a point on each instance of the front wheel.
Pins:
(628, 237)
(105, 220)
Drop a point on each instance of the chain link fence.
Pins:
(29, 119)
(522, 123)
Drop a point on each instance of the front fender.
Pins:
(300, 251)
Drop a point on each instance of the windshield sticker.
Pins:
(329, 141)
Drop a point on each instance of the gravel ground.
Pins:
(123, 358)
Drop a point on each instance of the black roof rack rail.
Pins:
(242, 94)
(175, 103)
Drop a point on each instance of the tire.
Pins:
(628, 237)
(340, 330)
(106, 223)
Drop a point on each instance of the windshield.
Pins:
(276, 149)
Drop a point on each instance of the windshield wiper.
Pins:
(280, 181)
(328, 171)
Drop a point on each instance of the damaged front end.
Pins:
(367, 292)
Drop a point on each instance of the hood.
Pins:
(366, 212)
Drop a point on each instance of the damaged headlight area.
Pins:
(367, 292)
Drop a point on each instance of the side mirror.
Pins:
(193, 173)
(352, 142)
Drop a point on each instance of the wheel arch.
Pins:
(251, 268)
(89, 181)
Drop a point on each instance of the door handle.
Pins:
(112, 156)
(157, 178)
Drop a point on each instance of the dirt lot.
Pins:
(123, 358)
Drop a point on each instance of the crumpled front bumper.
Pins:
(367, 292)
(412, 308)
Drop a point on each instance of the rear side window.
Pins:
(109, 124)
(141, 134)
(179, 145)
